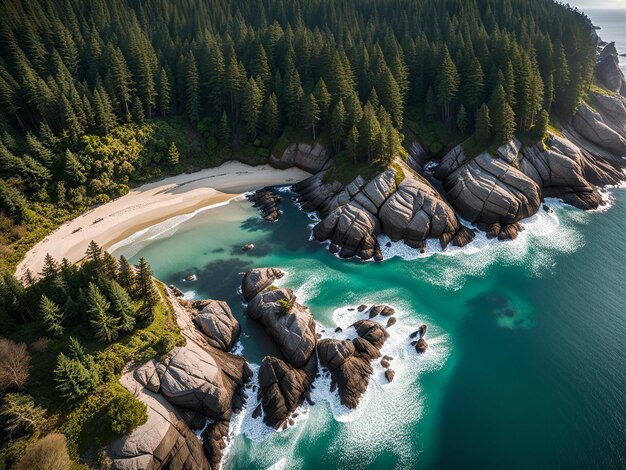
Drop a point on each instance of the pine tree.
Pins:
(105, 326)
(146, 290)
(369, 130)
(462, 120)
(271, 115)
(126, 276)
(121, 305)
(76, 350)
(474, 85)
(192, 84)
(447, 83)
(138, 110)
(122, 79)
(51, 316)
(74, 379)
(311, 114)
(165, 93)
(502, 116)
(260, 66)
(338, 125)
(251, 107)
(323, 97)
(215, 78)
(94, 252)
(223, 129)
(391, 97)
(50, 267)
(173, 157)
(352, 144)
(483, 126)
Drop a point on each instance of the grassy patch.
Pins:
(345, 170)
(399, 173)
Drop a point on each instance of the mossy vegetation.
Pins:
(399, 173)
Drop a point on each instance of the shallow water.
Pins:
(526, 364)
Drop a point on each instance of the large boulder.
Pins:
(257, 280)
(487, 189)
(354, 215)
(219, 325)
(148, 375)
(308, 157)
(416, 212)
(608, 70)
(194, 381)
(351, 230)
(164, 441)
(282, 388)
(349, 361)
(290, 324)
(592, 126)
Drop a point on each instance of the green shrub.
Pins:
(435, 147)
(125, 413)
(285, 306)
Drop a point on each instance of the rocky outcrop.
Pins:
(148, 376)
(164, 441)
(290, 324)
(193, 381)
(607, 69)
(257, 280)
(282, 388)
(266, 202)
(592, 126)
(308, 157)
(349, 361)
(488, 189)
(218, 324)
(402, 205)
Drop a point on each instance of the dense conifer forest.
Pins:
(99, 94)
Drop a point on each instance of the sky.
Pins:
(607, 4)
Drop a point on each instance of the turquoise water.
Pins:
(526, 365)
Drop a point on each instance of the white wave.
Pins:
(544, 235)
(383, 409)
(190, 295)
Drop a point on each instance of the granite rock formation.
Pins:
(290, 324)
(217, 323)
(307, 157)
(257, 280)
(404, 206)
(349, 361)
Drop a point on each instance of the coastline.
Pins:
(151, 204)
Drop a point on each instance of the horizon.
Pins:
(592, 4)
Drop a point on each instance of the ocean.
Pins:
(526, 365)
(613, 28)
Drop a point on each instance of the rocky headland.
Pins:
(192, 394)
(494, 191)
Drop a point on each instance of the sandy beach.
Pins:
(150, 204)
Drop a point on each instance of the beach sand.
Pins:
(150, 204)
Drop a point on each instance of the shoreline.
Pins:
(151, 204)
